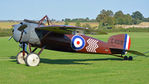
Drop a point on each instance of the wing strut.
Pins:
(47, 20)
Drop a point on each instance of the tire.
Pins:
(20, 59)
(130, 58)
(32, 60)
(125, 58)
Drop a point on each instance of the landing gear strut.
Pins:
(22, 55)
(125, 57)
(30, 59)
(33, 59)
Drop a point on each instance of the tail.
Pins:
(121, 41)
(119, 44)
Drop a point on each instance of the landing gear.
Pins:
(128, 58)
(21, 58)
(125, 58)
(32, 60)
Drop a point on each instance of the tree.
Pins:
(106, 17)
(107, 13)
(128, 19)
(67, 19)
(101, 17)
(137, 15)
(118, 14)
(146, 19)
(136, 21)
(87, 19)
(121, 18)
(110, 20)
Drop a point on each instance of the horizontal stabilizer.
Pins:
(135, 52)
(116, 50)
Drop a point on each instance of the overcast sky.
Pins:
(60, 9)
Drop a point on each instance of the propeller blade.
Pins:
(22, 27)
(10, 38)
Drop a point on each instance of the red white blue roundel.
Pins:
(77, 42)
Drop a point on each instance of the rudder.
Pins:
(121, 41)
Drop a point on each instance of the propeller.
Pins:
(12, 34)
(10, 38)
(21, 28)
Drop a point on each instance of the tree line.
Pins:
(79, 20)
(107, 17)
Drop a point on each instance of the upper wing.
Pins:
(63, 29)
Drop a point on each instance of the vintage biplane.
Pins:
(64, 38)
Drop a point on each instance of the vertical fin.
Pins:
(127, 42)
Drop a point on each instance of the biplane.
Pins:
(64, 38)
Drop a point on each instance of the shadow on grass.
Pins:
(13, 57)
(70, 61)
(73, 61)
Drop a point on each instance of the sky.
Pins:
(60, 9)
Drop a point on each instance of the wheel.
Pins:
(130, 58)
(32, 60)
(20, 58)
(125, 58)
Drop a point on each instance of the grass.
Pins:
(8, 25)
(75, 68)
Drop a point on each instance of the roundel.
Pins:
(77, 42)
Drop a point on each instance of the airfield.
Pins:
(77, 68)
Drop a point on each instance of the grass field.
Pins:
(7, 25)
(74, 68)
